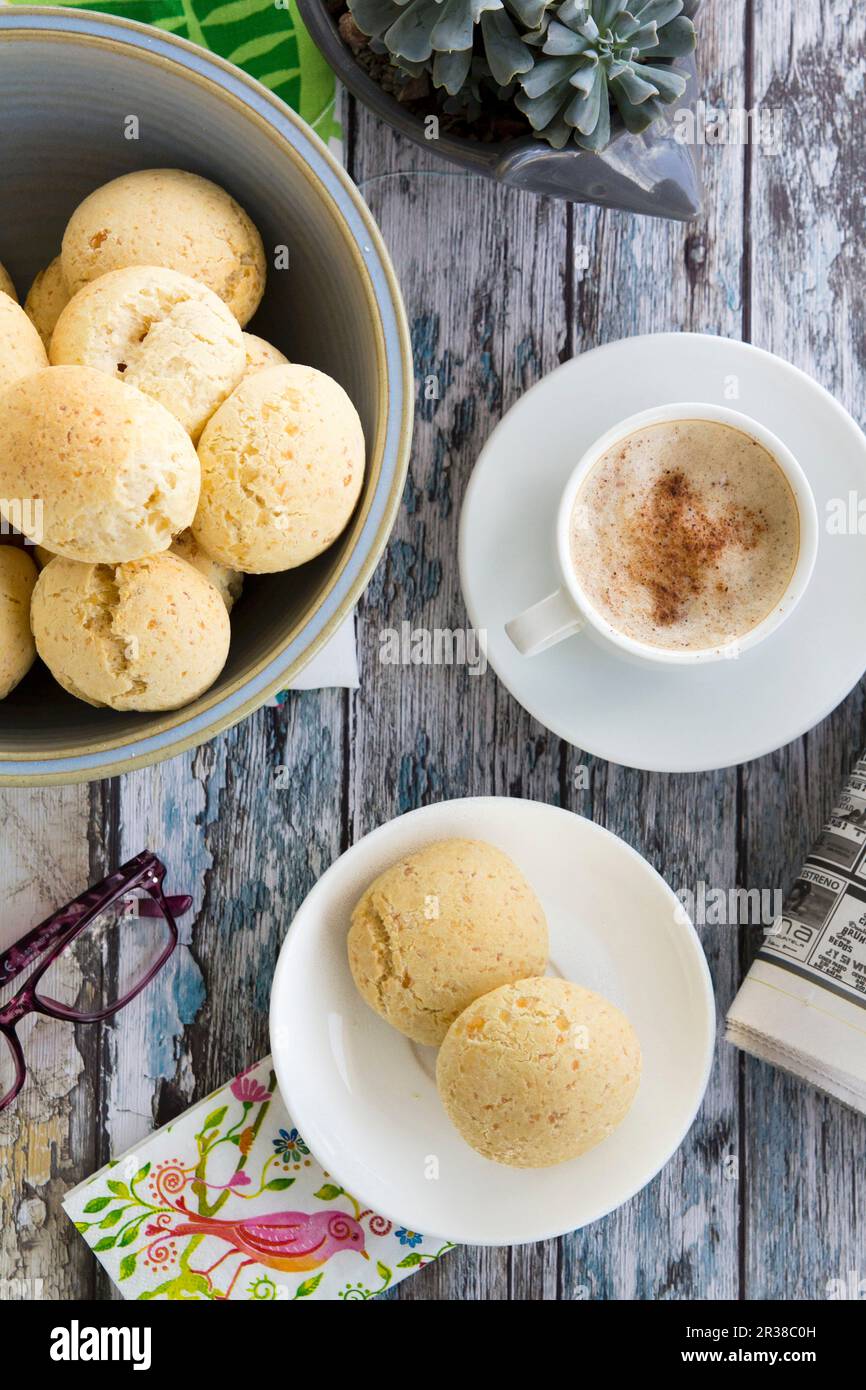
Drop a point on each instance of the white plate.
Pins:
(364, 1098)
(682, 720)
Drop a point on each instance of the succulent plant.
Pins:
(439, 36)
(597, 56)
(572, 61)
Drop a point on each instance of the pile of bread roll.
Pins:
(151, 451)
(450, 946)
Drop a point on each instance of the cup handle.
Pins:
(545, 624)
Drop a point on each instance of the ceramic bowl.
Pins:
(364, 1097)
(68, 80)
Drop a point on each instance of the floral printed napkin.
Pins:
(228, 1202)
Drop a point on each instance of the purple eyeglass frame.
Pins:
(59, 930)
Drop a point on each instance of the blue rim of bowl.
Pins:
(388, 454)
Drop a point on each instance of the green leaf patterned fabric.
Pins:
(264, 37)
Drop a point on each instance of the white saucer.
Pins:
(364, 1097)
(683, 720)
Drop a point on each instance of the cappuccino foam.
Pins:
(685, 534)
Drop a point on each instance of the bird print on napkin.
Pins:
(227, 1202)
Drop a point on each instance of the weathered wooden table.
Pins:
(765, 1197)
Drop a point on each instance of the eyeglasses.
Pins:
(125, 924)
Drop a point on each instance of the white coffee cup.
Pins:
(568, 610)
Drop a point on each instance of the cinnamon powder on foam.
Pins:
(674, 544)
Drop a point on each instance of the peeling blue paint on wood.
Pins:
(762, 1199)
(431, 370)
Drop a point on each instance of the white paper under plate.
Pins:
(336, 665)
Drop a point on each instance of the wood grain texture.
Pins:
(471, 259)
(48, 1138)
(685, 278)
(552, 282)
(762, 1199)
(246, 824)
(802, 1204)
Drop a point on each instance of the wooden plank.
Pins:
(469, 257)
(49, 1136)
(246, 825)
(491, 325)
(496, 295)
(803, 1221)
(679, 1237)
(525, 760)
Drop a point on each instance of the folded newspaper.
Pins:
(802, 1005)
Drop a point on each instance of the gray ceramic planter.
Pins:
(651, 173)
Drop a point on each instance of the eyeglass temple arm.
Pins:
(37, 941)
(176, 906)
